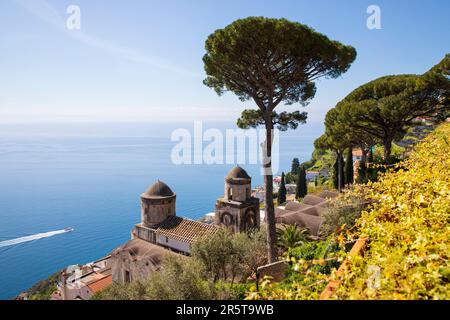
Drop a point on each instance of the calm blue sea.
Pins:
(90, 177)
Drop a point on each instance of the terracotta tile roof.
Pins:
(184, 230)
(100, 284)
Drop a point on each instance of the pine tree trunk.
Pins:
(387, 144)
(349, 167)
(268, 199)
(339, 171)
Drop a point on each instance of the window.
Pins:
(127, 276)
(167, 239)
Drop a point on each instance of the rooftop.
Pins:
(100, 284)
(237, 173)
(158, 190)
(137, 248)
(184, 230)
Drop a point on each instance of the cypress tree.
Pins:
(295, 165)
(301, 189)
(304, 183)
(282, 190)
(349, 167)
(335, 175)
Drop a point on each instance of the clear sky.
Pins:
(141, 60)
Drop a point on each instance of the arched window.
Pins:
(227, 219)
(127, 276)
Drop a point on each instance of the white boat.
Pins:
(68, 229)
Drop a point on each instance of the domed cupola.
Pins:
(157, 203)
(237, 185)
(238, 210)
(237, 175)
(158, 190)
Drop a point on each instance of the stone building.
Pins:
(238, 210)
(162, 232)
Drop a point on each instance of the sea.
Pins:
(89, 177)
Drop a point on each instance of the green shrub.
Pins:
(317, 250)
(217, 269)
(344, 210)
(228, 257)
(44, 288)
(180, 278)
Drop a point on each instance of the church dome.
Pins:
(158, 190)
(237, 173)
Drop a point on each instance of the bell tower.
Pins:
(237, 210)
(157, 203)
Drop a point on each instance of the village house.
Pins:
(82, 282)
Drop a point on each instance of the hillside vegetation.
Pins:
(408, 229)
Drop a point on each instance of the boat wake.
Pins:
(33, 237)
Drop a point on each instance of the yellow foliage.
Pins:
(408, 229)
(407, 225)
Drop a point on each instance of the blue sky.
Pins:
(141, 60)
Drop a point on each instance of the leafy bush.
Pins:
(44, 288)
(317, 250)
(216, 263)
(342, 211)
(408, 229)
(310, 250)
(135, 290)
(291, 177)
(181, 278)
(227, 256)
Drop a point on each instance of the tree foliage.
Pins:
(282, 190)
(301, 186)
(295, 165)
(271, 61)
(217, 263)
(338, 144)
(291, 236)
(384, 108)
